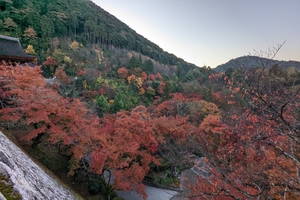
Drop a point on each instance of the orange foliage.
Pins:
(34, 104)
(129, 150)
(256, 154)
(50, 62)
(130, 78)
(80, 72)
(62, 76)
(123, 72)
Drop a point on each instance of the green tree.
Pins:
(189, 77)
(179, 71)
(140, 62)
(11, 26)
(167, 90)
(133, 62)
(102, 105)
(229, 72)
(148, 66)
(48, 29)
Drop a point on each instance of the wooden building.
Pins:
(11, 51)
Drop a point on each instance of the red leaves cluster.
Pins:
(254, 153)
(124, 143)
(34, 104)
(128, 150)
(50, 62)
(123, 72)
(62, 76)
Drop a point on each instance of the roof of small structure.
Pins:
(11, 50)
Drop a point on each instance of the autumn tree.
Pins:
(129, 151)
(174, 135)
(30, 33)
(123, 72)
(30, 50)
(50, 65)
(61, 75)
(255, 153)
(193, 108)
(29, 102)
(74, 45)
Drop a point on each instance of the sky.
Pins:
(212, 32)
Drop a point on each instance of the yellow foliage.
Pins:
(74, 45)
(99, 80)
(84, 84)
(67, 60)
(30, 49)
(111, 101)
(139, 82)
(130, 78)
(209, 108)
(150, 91)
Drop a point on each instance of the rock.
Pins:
(26, 177)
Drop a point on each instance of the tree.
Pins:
(167, 90)
(74, 45)
(173, 135)
(148, 66)
(129, 150)
(50, 66)
(48, 28)
(61, 75)
(30, 33)
(133, 63)
(254, 152)
(196, 110)
(10, 25)
(30, 50)
(140, 62)
(123, 72)
(102, 105)
(31, 103)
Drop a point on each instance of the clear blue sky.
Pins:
(211, 32)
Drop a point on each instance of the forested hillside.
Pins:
(37, 22)
(115, 104)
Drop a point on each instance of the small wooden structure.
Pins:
(11, 50)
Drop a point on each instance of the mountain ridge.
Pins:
(247, 62)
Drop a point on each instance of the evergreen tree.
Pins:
(133, 63)
(140, 62)
(148, 66)
(101, 105)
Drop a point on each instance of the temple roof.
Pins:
(11, 50)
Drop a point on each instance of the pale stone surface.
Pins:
(27, 178)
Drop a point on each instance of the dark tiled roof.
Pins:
(10, 49)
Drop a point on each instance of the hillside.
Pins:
(37, 22)
(108, 110)
(247, 62)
